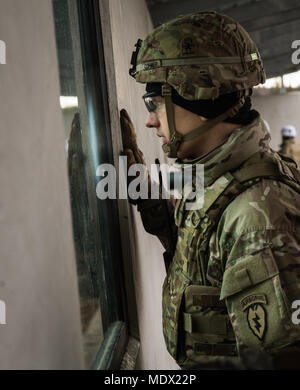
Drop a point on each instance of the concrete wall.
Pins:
(38, 279)
(279, 110)
(129, 21)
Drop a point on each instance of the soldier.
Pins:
(236, 266)
(289, 148)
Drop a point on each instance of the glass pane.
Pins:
(82, 213)
(88, 143)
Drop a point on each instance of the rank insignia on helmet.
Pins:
(188, 46)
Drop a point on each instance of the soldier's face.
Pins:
(158, 120)
(185, 121)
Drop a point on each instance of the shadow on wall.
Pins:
(279, 110)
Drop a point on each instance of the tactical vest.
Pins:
(195, 320)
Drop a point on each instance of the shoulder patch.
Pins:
(257, 320)
(256, 313)
(252, 299)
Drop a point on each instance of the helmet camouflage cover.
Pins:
(202, 56)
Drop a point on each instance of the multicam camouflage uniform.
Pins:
(236, 267)
(233, 287)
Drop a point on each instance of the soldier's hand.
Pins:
(131, 151)
(129, 140)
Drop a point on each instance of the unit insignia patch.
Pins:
(256, 313)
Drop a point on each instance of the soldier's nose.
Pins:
(152, 120)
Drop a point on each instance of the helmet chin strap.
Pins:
(172, 146)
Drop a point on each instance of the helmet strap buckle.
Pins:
(166, 90)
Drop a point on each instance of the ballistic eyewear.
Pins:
(152, 100)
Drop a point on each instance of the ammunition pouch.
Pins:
(208, 330)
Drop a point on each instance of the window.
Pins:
(88, 144)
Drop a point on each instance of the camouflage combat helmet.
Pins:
(202, 56)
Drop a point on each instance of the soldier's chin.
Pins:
(182, 152)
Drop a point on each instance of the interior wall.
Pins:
(279, 110)
(129, 21)
(37, 262)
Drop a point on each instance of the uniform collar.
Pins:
(238, 147)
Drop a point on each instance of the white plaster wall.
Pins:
(130, 20)
(37, 264)
(279, 110)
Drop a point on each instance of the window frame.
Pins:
(117, 297)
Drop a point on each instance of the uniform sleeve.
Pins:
(260, 282)
(258, 243)
(156, 221)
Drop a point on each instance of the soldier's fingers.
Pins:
(127, 130)
(124, 114)
(125, 133)
(130, 156)
(139, 156)
(129, 140)
(127, 152)
(127, 126)
(125, 121)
